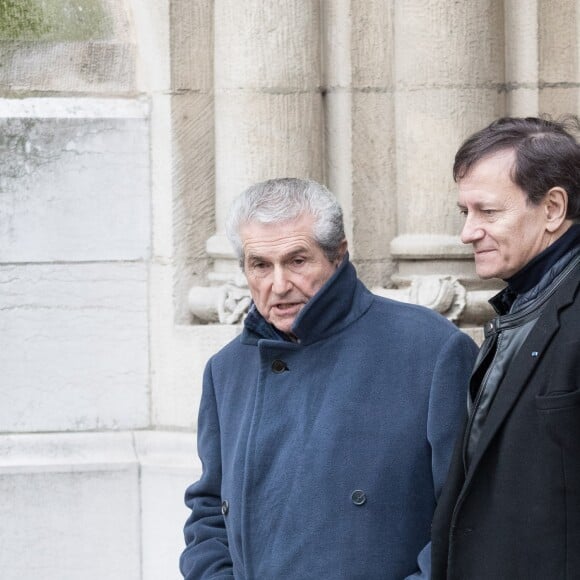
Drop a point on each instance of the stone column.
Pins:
(360, 136)
(449, 75)
(268, 103)
(521, 57)
(191, 162)
(559, 55)
(337, 66)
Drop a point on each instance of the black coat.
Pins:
(515, 514)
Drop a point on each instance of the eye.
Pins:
(297, 263)
(488, 212)
(258, 268)
(463, 212)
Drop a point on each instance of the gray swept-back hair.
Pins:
(279, 200)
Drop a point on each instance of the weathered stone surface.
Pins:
(74, 185)
(69, 504)
(373, 32)
(106, 207)
(176, 401)
(438, 44)
(81, 46)
(374, 211)
(112, 500)
(193, 144)
(74, 347)
(267, 45)
(193, 208)
(192, 45)
(558, 43)
(168, 464)
(521, 57)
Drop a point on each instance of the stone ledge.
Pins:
(98, 451)
(74, 108)
(114, 499)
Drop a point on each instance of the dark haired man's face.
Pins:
(505, 230)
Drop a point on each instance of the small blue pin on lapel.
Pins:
(534, 353)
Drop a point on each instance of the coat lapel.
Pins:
(522, 367)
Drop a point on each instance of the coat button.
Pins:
(225, 507)
(358, 497)
(279, 366)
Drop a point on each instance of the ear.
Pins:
(555, 205)
(341, 251)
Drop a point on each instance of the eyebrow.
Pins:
(283, 258)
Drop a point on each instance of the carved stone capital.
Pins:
(446, 295)
(226, 304)
(229, 302)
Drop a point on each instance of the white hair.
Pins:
(280, 200)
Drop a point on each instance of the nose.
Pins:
(281, 283)
(471, 231)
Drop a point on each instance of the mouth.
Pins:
(287, 307)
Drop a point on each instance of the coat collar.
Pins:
(341, 300)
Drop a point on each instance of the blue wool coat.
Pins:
(324, 458)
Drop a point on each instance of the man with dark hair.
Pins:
(325, 429)
(511, 506)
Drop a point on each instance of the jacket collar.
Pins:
(340, 301)
(538, 273)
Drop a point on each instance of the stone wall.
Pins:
(126, 127)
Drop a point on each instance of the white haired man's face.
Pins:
(285, 267)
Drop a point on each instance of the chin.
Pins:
(485, 274)
(285, 328)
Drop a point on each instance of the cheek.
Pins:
(522, 243)
(257, 291)
(318, 282)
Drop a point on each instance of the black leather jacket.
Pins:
(504, 336)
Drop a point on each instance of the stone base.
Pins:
(94, 505)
